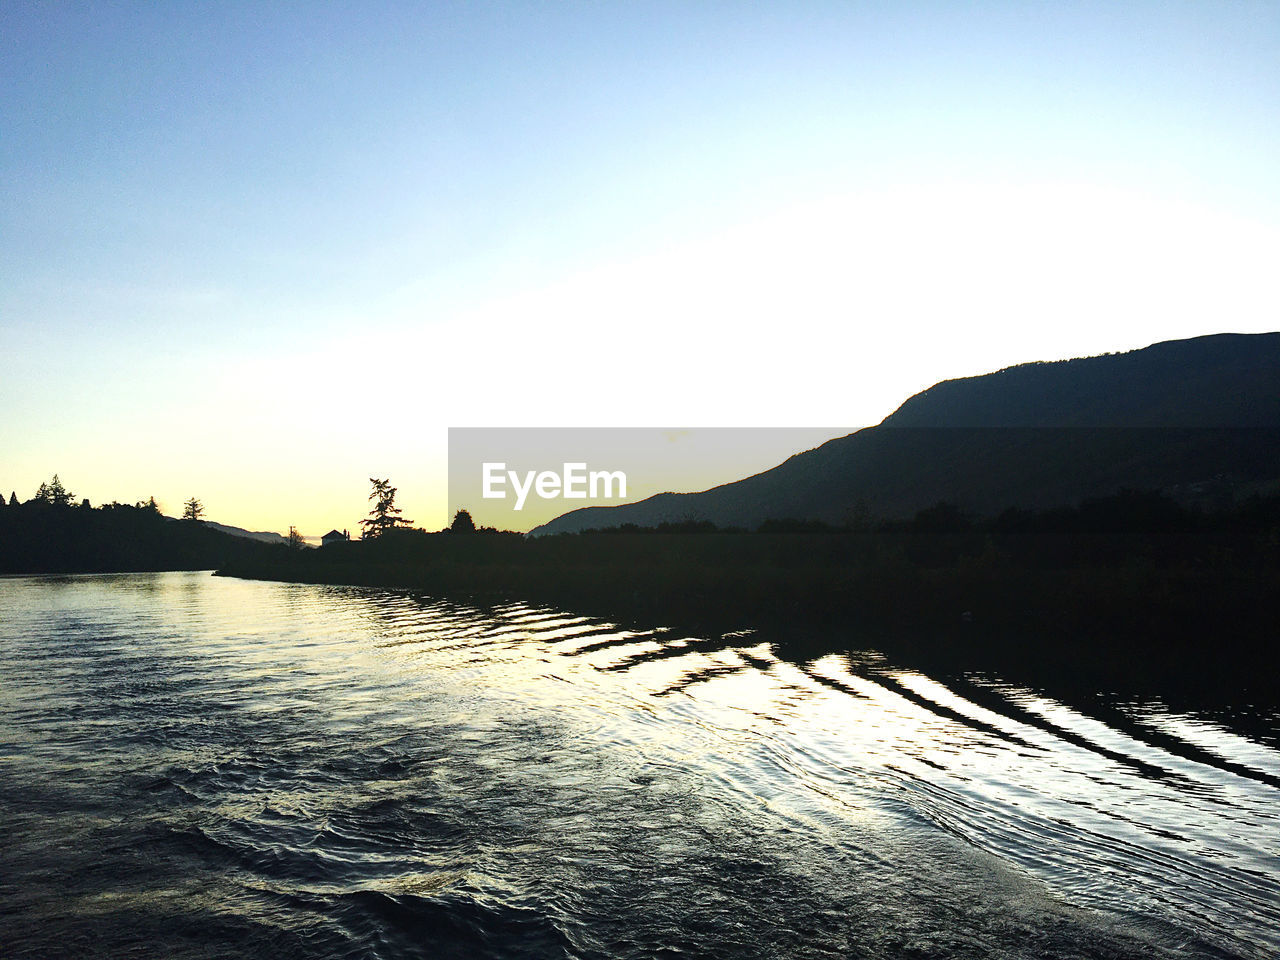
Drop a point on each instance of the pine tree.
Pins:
(54, 493)
(385, 515)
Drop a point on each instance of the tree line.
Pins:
(56, 532)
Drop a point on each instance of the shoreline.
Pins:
(1136, 626)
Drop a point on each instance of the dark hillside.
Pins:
(1197, 419)
(39, 537)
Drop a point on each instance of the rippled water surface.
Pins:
(192, 766)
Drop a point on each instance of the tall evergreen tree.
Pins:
(54, 493)
(385, 515)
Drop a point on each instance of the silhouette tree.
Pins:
(462, 523)
(13, 498)
(54, 493)
(385, 515)
(193, 510)
(296, 539)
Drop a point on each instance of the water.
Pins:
(197, 767)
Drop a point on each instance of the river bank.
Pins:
(1136, 620)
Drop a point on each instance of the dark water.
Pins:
(197, 767)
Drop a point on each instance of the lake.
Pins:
(194, 766)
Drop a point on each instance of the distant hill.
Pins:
(1198, 418)
(262, 535)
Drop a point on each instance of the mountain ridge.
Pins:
(1169, 416)
(262, 536)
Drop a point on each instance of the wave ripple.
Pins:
(198, 767)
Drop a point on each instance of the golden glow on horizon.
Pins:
(263, 293)
(833, 311)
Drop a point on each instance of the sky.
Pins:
(258, 253)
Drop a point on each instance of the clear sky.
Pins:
(258, 253)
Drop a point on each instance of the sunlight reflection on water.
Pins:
(190, 762)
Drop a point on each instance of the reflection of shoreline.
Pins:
(265, 737)
(1133, 623)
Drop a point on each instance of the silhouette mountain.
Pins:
(265, 536)
(1198, 419)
